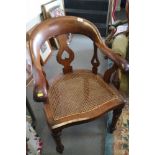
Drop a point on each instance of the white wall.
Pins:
(33, 10)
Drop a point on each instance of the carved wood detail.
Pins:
(65, 48)
(109, 72)
(95, 62)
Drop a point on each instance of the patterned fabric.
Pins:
(118, 142)
(120, 46)
(33, 142)
(121, 134)
(56, 12)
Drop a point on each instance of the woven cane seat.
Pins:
(79, 93)
(79, 96)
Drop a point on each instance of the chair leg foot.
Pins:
(116, 113)
(60, 149)
(56, 135)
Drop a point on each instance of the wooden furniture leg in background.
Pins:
(116, 113)
(56, 133)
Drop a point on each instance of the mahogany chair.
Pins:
(74, 96)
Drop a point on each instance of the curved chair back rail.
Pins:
(58, 26)
(69, 24)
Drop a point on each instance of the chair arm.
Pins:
(40, 92)
(110, 35)
(113, 28)
(118, 60)
(119, 22)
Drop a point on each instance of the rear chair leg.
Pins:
(116, 113)
(56, 133)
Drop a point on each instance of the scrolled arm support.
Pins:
(40, 91)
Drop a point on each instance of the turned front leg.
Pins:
(56, 133)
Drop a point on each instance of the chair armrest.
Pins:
(40, 92)
(113, 29)
(118, 60)
(40, 88)
(119, 22)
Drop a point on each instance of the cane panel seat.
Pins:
(75, 96)
(78, 96)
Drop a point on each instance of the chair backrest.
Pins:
(58, 27)
(64, 25)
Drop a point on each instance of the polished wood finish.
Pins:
(82, 81)
(108, 73)
(28, 33)
(56, 133)
(95, 62)
(65, 48)
(46, 15)
(51, 28)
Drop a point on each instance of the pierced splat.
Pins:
(95, 62)
(65, 55)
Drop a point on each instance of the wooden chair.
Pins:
(76, 96)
